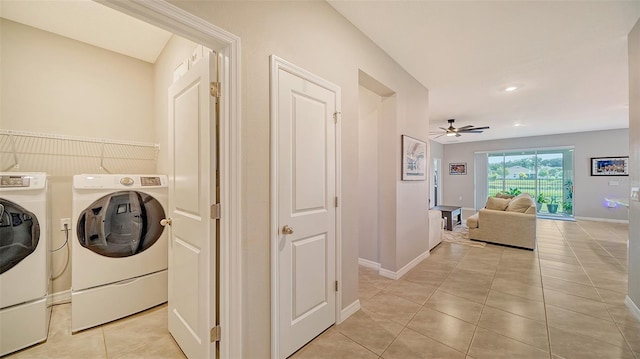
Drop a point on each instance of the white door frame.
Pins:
(175, 20)
(278, 64)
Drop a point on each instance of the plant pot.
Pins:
(552, 208)
(538, 206)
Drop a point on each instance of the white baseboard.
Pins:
(397, 275)
(369, 264)
(349, 311)
(61, 297)
(632, 306)
(388, 274)
(592, 219)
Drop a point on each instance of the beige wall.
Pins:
(634, 163)
(57, 85)
(369, 118)
(314, 36)
(53, 84)
(590, 191)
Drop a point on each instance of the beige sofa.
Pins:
(506, 221)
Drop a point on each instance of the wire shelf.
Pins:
(63, 155)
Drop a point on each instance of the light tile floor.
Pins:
(564, 300)
(144, 335)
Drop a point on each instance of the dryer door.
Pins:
(19, 234)
(121, 224)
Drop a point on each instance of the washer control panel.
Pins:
(14, 181)
(22, 181)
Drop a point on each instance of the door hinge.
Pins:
(336, 201)
(215, 211)
(336, 286)
(216, 332)
(214, 87)
(335, 116)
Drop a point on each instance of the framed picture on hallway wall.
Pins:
(414, 159)
(458, 168)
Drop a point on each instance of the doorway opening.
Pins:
(376, 154)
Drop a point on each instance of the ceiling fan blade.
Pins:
(458, 135)
(474, 131)
(481, 128)
(445, 129)
(464, 127)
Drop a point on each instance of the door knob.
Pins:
(165, 222)
(287, 230)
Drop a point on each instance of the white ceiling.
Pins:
(570, 59)
(91, 23)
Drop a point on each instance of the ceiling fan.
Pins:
(457, 132)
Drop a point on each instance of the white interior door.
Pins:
(306, 209)
(191, 193)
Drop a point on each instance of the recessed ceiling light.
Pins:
(510, 88)
(517, 125)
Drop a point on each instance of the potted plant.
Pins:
(567, 207)
(540, 199)
(513, 191)
(552, 205)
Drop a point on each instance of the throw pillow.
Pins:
(520, 204)
(503, 195)
(497, 204)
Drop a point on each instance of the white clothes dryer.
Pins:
(25, 266)
(119, 247)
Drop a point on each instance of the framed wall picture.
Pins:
(610, 166)
(414, 159)
(458, 168)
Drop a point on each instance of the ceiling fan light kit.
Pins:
(457, 132)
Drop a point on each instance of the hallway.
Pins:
(565, 300)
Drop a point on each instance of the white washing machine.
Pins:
(119, 247)
(25, 266)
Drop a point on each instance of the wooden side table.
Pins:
(449, 212)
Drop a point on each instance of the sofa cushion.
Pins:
(498, 204)
(520, 203)
(472, 221)
(503, 195)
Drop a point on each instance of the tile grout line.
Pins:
(600, 295)
(544, 302)
(594, 287)
(484, 304)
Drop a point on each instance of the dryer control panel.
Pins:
(24, 181)
(111, 181)
(14, 181)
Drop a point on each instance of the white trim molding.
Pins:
(180, 22)
(632, 306)
(348, 311)
(369, 264)
(608, 220)
(397, 275)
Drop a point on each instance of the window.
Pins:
(546, 174)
